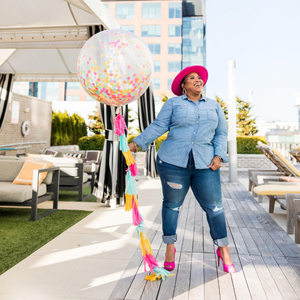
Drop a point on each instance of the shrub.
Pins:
(247, 144)
(95, 142)
(66, 130)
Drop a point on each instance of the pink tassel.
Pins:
(151, 261)
(120, 125)
(136, 217)
(134, 170)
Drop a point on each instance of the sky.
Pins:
(263, 38)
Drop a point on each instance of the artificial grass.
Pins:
(73, 196)
(20, 237)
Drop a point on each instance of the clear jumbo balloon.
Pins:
(115, 67)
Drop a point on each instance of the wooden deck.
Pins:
(266, 258)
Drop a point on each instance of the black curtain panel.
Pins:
(146, 115)
(6, 85)
(111, 179)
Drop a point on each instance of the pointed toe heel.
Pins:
(170, 266)
(226, 268)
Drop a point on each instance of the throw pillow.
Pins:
(25, 176)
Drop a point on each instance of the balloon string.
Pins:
(132, 204)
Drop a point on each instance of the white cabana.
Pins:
(40, 39)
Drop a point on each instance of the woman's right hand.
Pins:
(133, 147)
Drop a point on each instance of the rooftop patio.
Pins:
(98, 258)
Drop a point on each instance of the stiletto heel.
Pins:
(226, 268)
(169, 266)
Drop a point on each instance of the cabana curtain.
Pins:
(146, 115)
(6, 85)
(112, 170)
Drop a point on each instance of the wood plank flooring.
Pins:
(266, 258)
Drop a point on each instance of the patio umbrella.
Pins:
(6, 84)
(110, 184)
(146, 115)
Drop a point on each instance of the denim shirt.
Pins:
(199, 127)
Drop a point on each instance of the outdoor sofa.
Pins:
(28, 195)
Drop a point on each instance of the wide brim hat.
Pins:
(201, 71)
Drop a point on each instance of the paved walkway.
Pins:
(98, 258)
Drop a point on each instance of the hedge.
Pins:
(245, 144)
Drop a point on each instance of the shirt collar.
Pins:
(185, 97)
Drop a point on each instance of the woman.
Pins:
(190, 156)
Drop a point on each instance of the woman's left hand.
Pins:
(215, 163)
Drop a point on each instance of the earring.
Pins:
(183, 91)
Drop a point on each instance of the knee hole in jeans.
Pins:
(175, 186)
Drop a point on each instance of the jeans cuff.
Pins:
(222, 242)
(169, 239)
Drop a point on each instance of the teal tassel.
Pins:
(131, 185)
(123, 143)
(161, 271)
(140, 228)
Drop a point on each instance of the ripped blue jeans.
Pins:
(206, 186)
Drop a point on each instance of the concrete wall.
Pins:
(39, 115)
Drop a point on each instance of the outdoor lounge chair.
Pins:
(295, 199)
(284, 167)
(28, 195)
(276, 192)
(296, 155)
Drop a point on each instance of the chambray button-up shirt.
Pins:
(199, 127)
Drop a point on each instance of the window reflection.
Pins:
(125, 11)
(129, 28)
(151, 30)
(151, 11)
(174, 66)
(174, 30)
(154, 48)
(156, 83)
(174, 48)
(157, 66)
(175, 10)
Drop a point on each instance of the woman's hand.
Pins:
(133, 147)
(215, 163)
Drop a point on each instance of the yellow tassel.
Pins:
(148, 246)
(135, 200)
(128, 202)
(129, 158)
(153, 277)
(143, 245)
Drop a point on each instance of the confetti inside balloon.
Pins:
(115, 67)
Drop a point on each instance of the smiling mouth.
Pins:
(197, 84)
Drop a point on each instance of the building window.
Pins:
(151, 30)
(175, 10)
(157, 66)
(170, 80)
(72, 98)
(125, 11)
(174, 48)
(154, 48)
(174, 66)
(49, 90)
(174, 30)
(156, 83)
(73, 85)
(105, 4)
(151, 11)
(129, 28)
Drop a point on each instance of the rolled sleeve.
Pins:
(220, 139)
(157, 128)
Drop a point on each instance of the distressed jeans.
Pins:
(206, 186)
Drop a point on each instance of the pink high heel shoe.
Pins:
(226, 268)
(170, 266)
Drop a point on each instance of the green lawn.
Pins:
(73, 196)
(19, 237)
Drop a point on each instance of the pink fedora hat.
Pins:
(201, 71)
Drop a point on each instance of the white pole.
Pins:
(251, 98)
(232, 148)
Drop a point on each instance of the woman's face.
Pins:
(193, 83)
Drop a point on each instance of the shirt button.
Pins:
(194, 153)
(197, 121)
(194, 132)
(192, 143)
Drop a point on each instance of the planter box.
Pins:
(244, 161)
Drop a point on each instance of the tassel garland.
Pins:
(132, 204)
